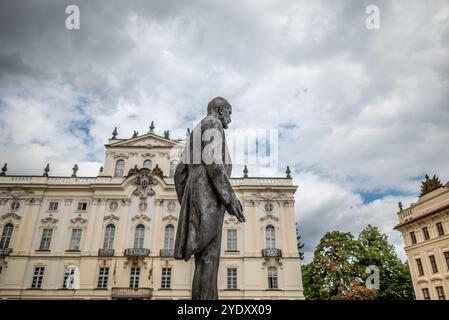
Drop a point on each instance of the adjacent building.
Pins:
(425, 229)
(112, 236)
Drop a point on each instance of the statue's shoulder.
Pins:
(210, 122)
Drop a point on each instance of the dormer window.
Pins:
(119, 168)
(147, 164)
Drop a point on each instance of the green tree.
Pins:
(394, 275)
(333, 273)
(338, 268)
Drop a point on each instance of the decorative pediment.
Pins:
(232, 221)
(78, 219)
(11, 215)
(111, 217)
(269, 216)
(149, 141)
(49, 220)
(141, 217)
(16, 192)
(171, 218)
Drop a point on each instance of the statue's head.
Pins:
(221, 109)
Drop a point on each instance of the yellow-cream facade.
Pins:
(425, 229)
(112, 236)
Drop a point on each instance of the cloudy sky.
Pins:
(362, 114)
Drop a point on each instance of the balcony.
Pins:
(276, 253)
(166, 253)
(5, 252)
(131, 293)
(105, 252)
(137, 252)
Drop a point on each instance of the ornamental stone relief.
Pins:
(16, 192)
(143, 182)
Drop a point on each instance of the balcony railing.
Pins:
(166, 253)
(105, 252)
(137, 252)
(5, 252)
(269, 252)
(131, 293)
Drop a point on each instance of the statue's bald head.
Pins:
(221, 109)
(216, 104)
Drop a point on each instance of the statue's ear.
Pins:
(220, 110)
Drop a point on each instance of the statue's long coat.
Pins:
(203, 191)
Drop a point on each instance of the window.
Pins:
(270, 237)
(433, 264)
(134, 279)
(53, 206)
(425, 232)
(425, 293)
(440, 292)
(15, 205)
(166, 278)
(413, 237)
(103, 275)
(109, 237)
(147, 164)
(173, 165)
(6, 235)
(37, 277)
(169, 237)
(46, 239)
(446, 256)
(268, 207)
(420, 268)
(232, 240)
(119, 168)
(171, 206)
(75, 240)
(440, 229)
(232, 278)
(272, 278)
(113, 206)
(139, 236)
(68, 271)
(82, 206)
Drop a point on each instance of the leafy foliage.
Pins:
(338, 268)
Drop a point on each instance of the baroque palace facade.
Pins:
(112, 236)
(425, 229)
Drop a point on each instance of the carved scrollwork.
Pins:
(143, 182)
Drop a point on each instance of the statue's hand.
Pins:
(235, 209)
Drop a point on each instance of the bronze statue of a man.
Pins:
(205, 193)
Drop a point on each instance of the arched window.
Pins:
(270, 237)
(139, 236)
(169, 238)
(119, 168)
(6, 236)
(173, 165)
(109, 236)
(147, 164)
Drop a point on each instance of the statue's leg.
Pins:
(207, 261)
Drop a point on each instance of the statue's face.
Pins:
(224, 115)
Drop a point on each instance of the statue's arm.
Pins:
(220, 181)
(217, 172)
(180, 178)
